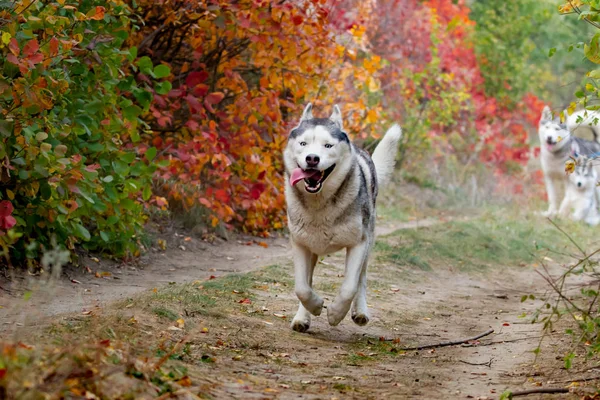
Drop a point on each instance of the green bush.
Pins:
(69, 120)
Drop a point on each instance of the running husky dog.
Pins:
(331, 188)
(580, 198)
(557, 144)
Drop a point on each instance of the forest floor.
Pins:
(212, 320)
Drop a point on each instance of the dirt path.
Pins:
(186, 259)
(248, 351)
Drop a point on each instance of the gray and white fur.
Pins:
(331, 189)
(557, 144)
(580, 201)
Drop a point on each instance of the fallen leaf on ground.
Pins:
(245, 301)
(180, 323)
(185, 381)
(279, 315)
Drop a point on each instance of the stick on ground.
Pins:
(451, 343)
(537, 391)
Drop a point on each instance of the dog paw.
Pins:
(315, 307)
(360, 319)
(335, 315)
(300, 325)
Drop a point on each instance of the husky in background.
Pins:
(580, 198)
(331, 188)
(556, 145)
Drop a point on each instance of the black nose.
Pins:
(549, 140)
(312, 160)
(578, 184)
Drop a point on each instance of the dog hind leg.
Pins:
(301, 321)
(360, 311)
(356, 258)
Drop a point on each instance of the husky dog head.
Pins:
(552, 132)
(584, 177)
(317, 149)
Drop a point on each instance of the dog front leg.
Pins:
(552, 198)
(563, 211)
(301, 321)
(304, 268)
(356, 259)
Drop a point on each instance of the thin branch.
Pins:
(536, 391)
(568, 236)
(487, 364)
(450, 343)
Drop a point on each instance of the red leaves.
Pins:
(195, 78)
(245, 301)
(7, 221)
(213, 99)
(31, 48)
(30, 57)
(53, 47)
(297, 19)
(13, 46)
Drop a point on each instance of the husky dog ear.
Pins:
(588, 166)
(307, 113)
(336, 116)
(546, 114)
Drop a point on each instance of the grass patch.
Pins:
(165, 313)
(480, 243)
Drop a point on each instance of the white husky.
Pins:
(330, 190)
(580, 199)
(557, 144)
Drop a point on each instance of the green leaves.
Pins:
(70, 174)
(161, 71)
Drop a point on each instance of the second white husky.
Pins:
(557, 144)
(580, 201)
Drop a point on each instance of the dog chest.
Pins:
(322, 235)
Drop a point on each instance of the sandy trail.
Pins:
(336, 362)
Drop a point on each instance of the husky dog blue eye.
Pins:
(328, 146)
(302, 143)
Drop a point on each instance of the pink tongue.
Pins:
(298, 174)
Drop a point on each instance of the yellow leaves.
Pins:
(358, 31)
(10, 194)
(570, 166)
(5, 39)
(162, 244)
(372, 65)
(180, 323)
(569, 6)
(371, 116)
(373, 84)
(23, 6)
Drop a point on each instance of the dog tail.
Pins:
(384, 155)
